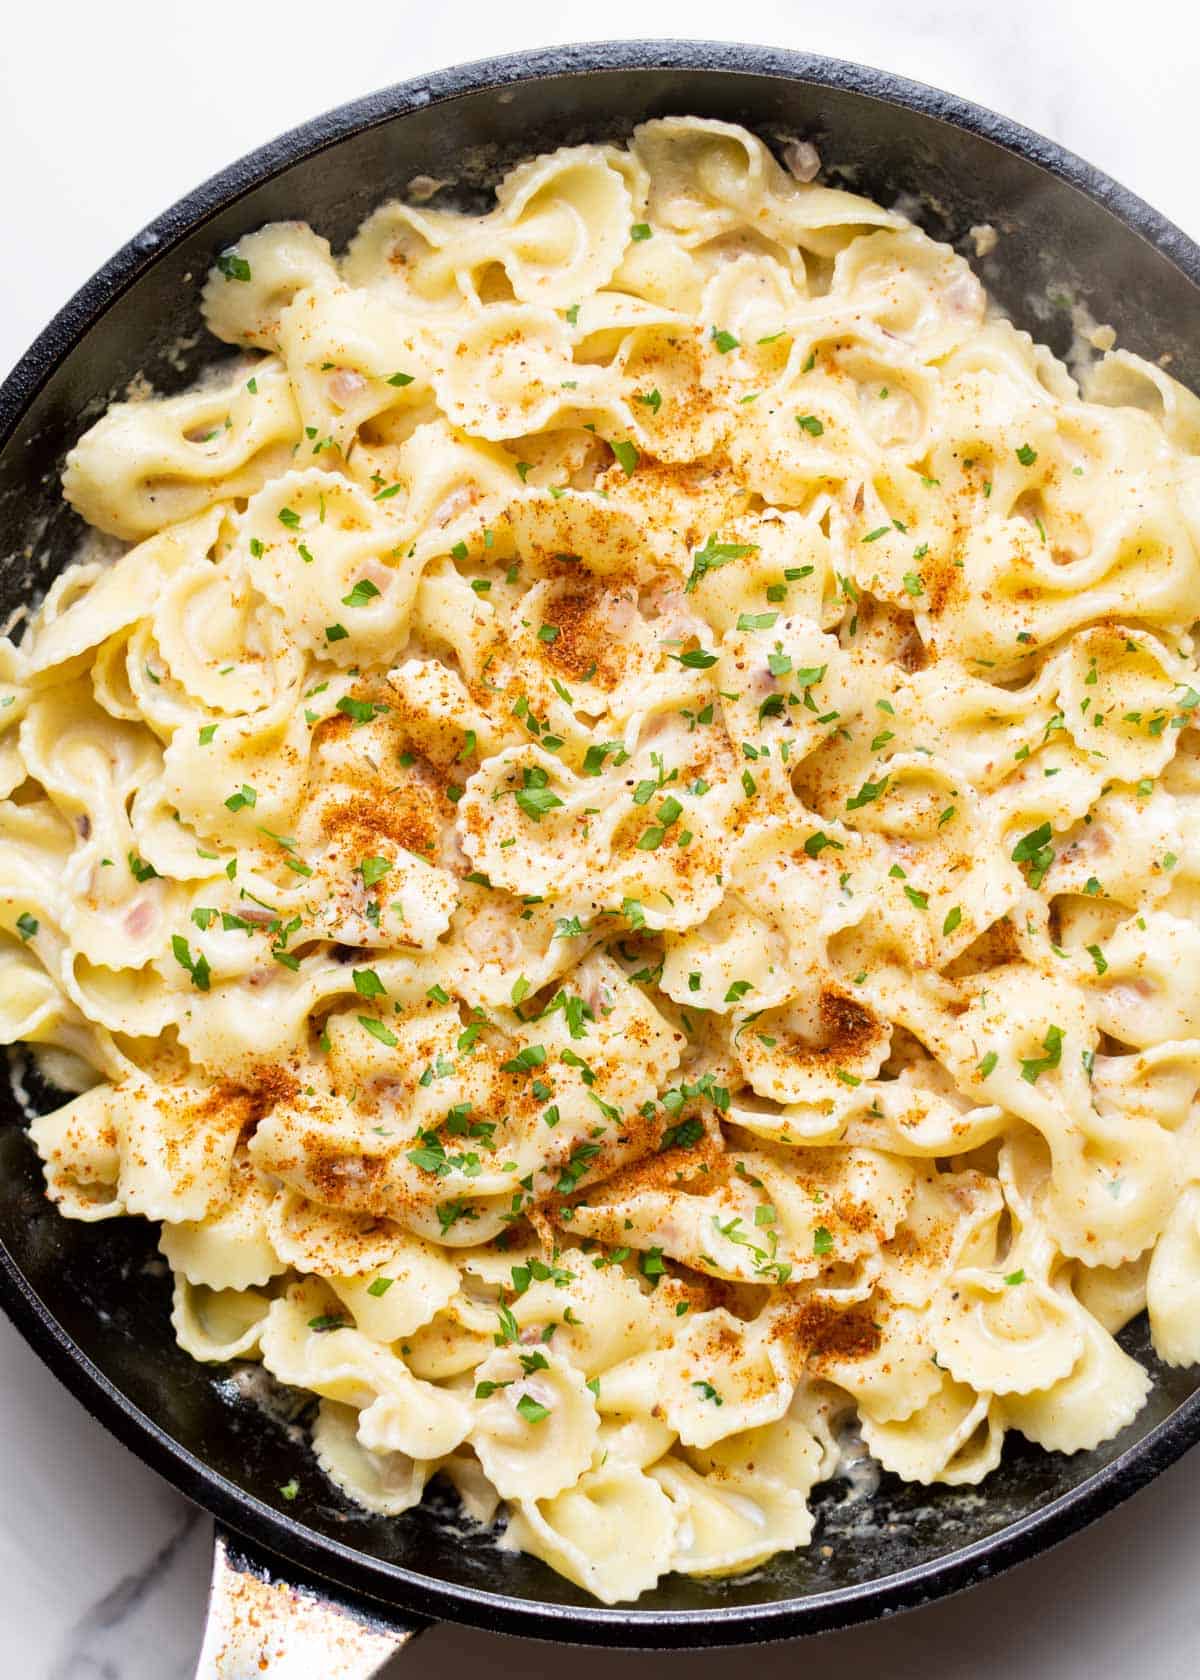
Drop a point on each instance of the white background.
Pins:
(109, 112)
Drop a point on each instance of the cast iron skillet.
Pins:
(90, 1298)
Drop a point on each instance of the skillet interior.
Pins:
(95, 1301)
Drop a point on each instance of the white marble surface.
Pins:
(107, 114)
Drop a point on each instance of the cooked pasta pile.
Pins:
(614, 851)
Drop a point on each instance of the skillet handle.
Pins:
(260, 1624)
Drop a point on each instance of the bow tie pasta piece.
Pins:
(80, 1154)
(878, 1353)
(446, 1348)
(794, 442)
(1028, 371)
(1101, 868)
(334, 563)
(245, 777)
(710, 179)
(146, 465)
(436, 712)
(1006, 1330)
(308, 1342)
(87, 761)
(935, 876)
(88, 604)
(896, 397)
(383, 900)
(1111, 1178)
(388, 1483)
(223, 646)
(14, 697)
(640, 1441)
(216, 1326)
(417, 1282)
(786, 687)
(601, 1316)
(443, 1108)
(105, 897)
(802, 1052)
(165, 1151)
(911, 1115)
(1114, 1295)
(983, 732)
(445, 492)
(36, 846)
(729, 1522)
(608, 539)
(1125, 381)
(1146, 985)
(1141, 561)
(253, 283)
(535, 1425)
(767, 1215)
(750, 296)
(723, 1376)
(671, 388)
(560, 226)
(1119, 693)
(743, 1498)
(913, 288)
(584, 1533)
(731, 956)
(231, 1248)
(1103, 1392)
(451, 617)
(644, 832)
(579, 647)
(391, 1282)
(419, 260)
(358, 373)
(490, 938)
(1172, 1296)
(760, 563)
(951, 1222)
(1157, 1086)
(33, 1009)
(794, 875)
(955, 1438)
(236, 1030)
(510, 371)
(567, 217)
(546, 815)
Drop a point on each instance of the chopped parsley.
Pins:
(197, 966)
(1033, 1067)
(627, 455)
(534, 796)
(232, 266)
(376, 1028)
(713, 555)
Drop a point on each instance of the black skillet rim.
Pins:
(323, 1560)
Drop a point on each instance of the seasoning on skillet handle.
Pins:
(259, 1626)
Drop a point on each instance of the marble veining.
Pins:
(98, 1643)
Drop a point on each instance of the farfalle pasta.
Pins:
(607, 845)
